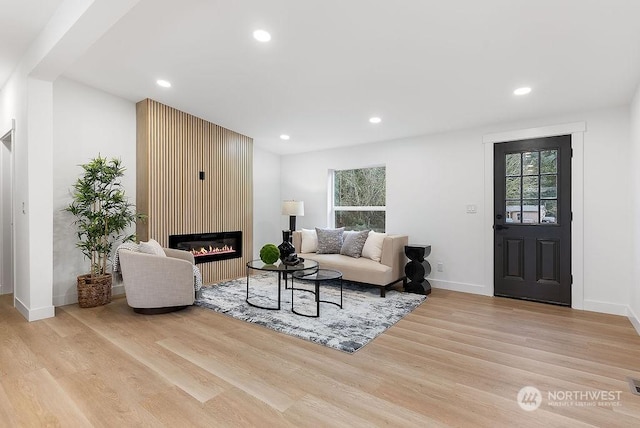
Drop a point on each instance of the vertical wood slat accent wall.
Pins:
(172, 148)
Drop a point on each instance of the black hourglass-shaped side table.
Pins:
(417, 269)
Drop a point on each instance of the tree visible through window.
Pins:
(359, 198)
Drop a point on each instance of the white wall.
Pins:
(266, 200)
(87, 122)
(634, 160)
(431, 180)
(607, 209)
(38, 207)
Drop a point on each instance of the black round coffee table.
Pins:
(316, 277)
(282, 270)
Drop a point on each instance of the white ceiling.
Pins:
(20, 22)
(423, 66)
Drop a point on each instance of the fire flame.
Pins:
(212, 250)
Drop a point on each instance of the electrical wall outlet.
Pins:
(440, 267)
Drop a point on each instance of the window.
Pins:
(532, 186)
(358, 200)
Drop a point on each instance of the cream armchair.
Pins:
(155, 284)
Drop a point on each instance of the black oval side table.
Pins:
(417, 269)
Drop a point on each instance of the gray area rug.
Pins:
(364, 315)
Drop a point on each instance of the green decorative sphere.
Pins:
(269, 254)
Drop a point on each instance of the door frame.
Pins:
(9, 136)
(576, 130)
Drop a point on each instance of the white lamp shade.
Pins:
(292, 208)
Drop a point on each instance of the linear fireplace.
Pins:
(209, 247)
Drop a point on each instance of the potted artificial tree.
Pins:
(103, 214)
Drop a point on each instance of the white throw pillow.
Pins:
(152, 247)
(373, 246)
(309, 241)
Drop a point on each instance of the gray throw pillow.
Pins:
(329, 240)
(353, 243)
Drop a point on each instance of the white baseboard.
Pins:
(21, 307)
(42, 313)
(35, 314)
(605, 307)
(459, 286)
(633, 317)
(589, 305)
(72, 298)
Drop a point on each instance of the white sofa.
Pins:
(388, 271)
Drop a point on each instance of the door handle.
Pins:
(500, 227)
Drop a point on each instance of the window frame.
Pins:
(332, 208)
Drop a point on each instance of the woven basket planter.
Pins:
(94, 292)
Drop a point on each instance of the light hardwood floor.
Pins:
(457, 360)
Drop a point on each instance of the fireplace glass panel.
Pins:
(208, 247)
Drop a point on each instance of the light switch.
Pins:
(472, 209)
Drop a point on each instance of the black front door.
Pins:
(532, 219)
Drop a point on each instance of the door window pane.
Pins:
(550, 212)
(549, 162)
(530, 163)
(530, 211)
(512, 212)
(513, 187)
(530, 187)
(513, 164)
(549, 186)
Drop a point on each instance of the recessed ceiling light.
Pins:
(284, 137)
(375, 120)
(522, 91)
(261, 36)
(163, 83)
